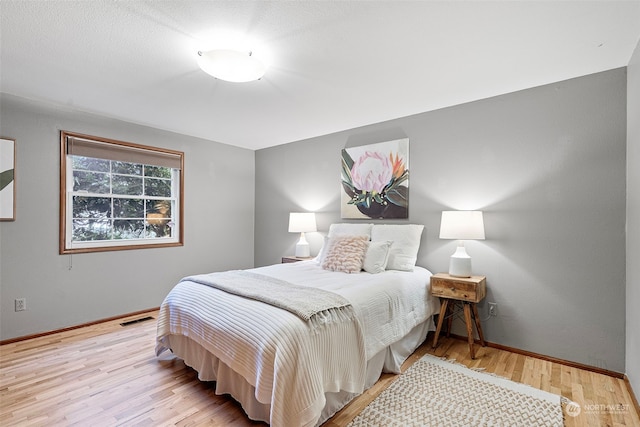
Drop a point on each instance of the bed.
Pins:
(297, 366)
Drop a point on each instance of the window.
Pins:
(116, 195)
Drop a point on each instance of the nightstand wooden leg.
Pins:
(467, 320)
(443, 311)
(450, 313)
(478, 325)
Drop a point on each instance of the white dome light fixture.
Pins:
(236, 66)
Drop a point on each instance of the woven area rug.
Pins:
(436, 392)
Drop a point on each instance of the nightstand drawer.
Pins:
(471, 290)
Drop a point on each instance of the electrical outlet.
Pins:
(493, 309)
(21, 304)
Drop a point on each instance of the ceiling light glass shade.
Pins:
(231, 65)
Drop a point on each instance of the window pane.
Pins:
(129, 185)
(90, 164)
(127, 168)
(158, 218)
(157, 187)
(93, 182)
(161, 207)
(91, 207)
(159, 229)
(91, 229)
(128, 229)
(128, 208)
(157, 171)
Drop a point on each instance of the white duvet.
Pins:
(290, 365)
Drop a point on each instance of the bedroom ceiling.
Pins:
(335, 65)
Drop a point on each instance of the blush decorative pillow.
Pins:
(345, 253)
(343, 229)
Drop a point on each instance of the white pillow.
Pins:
(350, 230)
(323, 250)
(345, 253)
(377, 256)
(406, 243)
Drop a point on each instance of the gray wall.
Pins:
(219, 218)
(546, 165)
(633, 221)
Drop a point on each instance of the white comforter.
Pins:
(291, 366)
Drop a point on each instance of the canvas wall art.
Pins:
(7, 179)
(375, 181)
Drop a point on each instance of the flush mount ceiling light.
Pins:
(231, 65)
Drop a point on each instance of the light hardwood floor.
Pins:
(108, 375)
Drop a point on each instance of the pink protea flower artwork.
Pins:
(371, 172)
(377, 182)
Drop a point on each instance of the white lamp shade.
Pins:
(231, 65)
(462, 225)
(302, 222)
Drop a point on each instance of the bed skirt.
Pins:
(210, 368)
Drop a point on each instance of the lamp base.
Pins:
(460, 263)
(302, 250)
(302, 247)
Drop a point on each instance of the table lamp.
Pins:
(461, 225)
(302, 222)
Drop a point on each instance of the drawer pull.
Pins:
(452, 289)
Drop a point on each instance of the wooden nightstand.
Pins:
(459, 290)
(288, 259)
